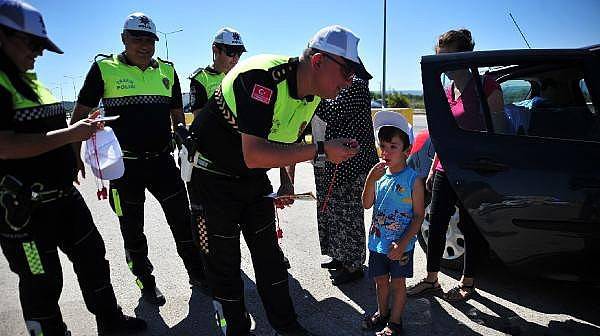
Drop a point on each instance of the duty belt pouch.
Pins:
(15, 202)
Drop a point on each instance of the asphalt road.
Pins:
(507, 304)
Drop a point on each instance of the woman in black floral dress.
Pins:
(341, 223)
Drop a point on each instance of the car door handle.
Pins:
(484, 165)
(577, 183)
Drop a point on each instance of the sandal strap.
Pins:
(454, 293)
(375, 319)
(395, 327)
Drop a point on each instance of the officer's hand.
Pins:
(83, 129)
(286, 188)
(342, 149)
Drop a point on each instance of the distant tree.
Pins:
(396, 99)
(399, 100)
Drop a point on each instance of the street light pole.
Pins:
(166, 40)
(59, 86)
(384, 38)
(73, 82)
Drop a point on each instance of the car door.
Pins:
(532, 186)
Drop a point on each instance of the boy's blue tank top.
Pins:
(392, 210)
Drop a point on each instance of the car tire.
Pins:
(454, 250)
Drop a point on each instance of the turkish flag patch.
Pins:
(262, 94)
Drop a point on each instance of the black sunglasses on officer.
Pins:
(347, 69)
(231, 52)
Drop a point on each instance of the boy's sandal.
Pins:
(374, 321)
(460, 293)
(391, 329)
(423, 287)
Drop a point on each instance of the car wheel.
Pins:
(454, 249)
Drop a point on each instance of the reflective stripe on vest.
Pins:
(209, 80)
(290, 116)
(129, 85)
(26, 109)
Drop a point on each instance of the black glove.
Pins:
(184, 138)
(180, 134)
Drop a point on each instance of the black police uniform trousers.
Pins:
(222, 207)
(32, 254)
(161, 177)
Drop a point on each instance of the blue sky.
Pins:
(85, 28)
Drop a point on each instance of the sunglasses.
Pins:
(231, 53)
(347, 70)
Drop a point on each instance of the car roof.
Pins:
(508, 55)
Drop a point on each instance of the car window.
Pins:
(541, 100)
(515, 90)
(463, 89)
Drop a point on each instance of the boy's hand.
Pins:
(396, 250)
(378, 170)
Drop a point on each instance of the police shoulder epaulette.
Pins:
(167, 62)
(103, 56)
(197, 71)
(280, 72)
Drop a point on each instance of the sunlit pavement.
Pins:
(507, 304)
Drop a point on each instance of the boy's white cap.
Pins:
(25, 18)
(230, 37)
(140, 23)
(395, 119)
(340, 41)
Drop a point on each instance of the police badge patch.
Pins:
(166, 82)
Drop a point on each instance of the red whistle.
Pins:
(279, 233)
(102, 193)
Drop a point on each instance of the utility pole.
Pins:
(384, 38)
(166, 40)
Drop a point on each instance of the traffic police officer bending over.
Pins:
(40, 209)
(227, 48)
(145, 93)
(250, 125)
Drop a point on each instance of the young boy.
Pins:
(398, 198)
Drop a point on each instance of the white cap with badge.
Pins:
(25, 18)
(229, 37)
(140, 24)
(342, 42)
(394, 119)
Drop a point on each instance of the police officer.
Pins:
(250, 125)
(227, 48)
(146, 94)
(40, 209)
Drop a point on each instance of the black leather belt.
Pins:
(205, 164)
(142, 155)
(51, 195)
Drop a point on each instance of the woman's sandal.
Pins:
(456, 293)
(391, 329)
(374, 321)
(423, 287)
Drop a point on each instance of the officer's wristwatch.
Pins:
(320, 156)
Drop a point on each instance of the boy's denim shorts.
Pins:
(380, 264)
